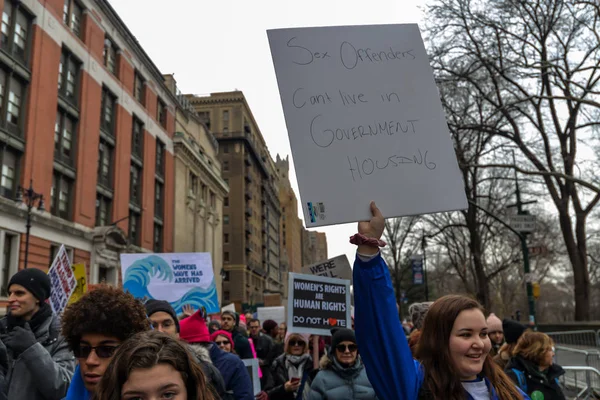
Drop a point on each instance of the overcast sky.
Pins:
(219, 46)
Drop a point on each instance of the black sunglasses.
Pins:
(223, 342)
(102, 351)
(342, 348)
(297, 343)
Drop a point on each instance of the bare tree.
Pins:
(535, 67)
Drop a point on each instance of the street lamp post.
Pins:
(30, 197)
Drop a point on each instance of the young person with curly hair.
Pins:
(453, 352)
(95, 326)
(153, 365)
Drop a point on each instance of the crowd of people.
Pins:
(109, 345)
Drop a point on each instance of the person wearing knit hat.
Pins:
(342, 375)
(224, 340)
(291, 368)
(417, 312)
(230, 322)
(194, 331)
(495, 333)
(512, 332)
(31, 344)
(163, 317)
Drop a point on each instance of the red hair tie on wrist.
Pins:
(360, 239)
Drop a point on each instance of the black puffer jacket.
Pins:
(536, 380)
(280, 376)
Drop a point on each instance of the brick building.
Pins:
(314, 247)
(251, 212)
(86, 117)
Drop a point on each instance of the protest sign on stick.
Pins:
(365, 122)
(179, 278)
(276, 314)
(337, 267)
(81, 287)
(317, 304)
(63, 281)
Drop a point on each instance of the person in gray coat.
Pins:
(342, 375)
(35, 359)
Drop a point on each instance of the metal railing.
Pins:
(578, 382)
(576, 339)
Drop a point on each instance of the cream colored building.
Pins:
(199, 187)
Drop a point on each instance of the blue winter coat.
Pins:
(333, 382)
(77, 390)
(392, 371)
(234, 373)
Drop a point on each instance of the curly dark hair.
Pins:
(106, 311)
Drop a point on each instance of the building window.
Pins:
(104, 164)
(225, 149)
(103, 209)
(60, 196)
(225, 117)
(108, 112)
(137, 138)
(139, 88)
(72, 13)
(8, 179)
(16, 26)
(135, 184)
(10, 262)
(158, 200)
(134, 227)
(193, 184)
(160, 158)
(225, 166)
(15, 104)
(226, 256)
(158, 238)
(68, 76)
(64, 138)
(226, 201)
(205, 117)
(213, 200)
(226, 238)
(161, 115)
(110, 55)
(225, 219)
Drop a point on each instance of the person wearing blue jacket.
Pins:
(453, 351)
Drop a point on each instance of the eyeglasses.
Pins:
(293, 343)
(342, 348)
(223, 342)
(102, 351)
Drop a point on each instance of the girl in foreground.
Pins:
(152, 365)
(453, 349)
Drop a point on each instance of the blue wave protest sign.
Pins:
(179, 278)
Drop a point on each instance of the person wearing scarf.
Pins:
(291, 370)
(36, 358)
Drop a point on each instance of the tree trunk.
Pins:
(481, 283)
(577, 251)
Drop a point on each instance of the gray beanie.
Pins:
(417, 313)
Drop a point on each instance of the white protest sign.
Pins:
(63, 281)
(337, 267)
(317, 304)
(229, 307)
(277, 314)
(365, 123)
(179, 278)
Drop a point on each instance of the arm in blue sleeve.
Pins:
(381, 340)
